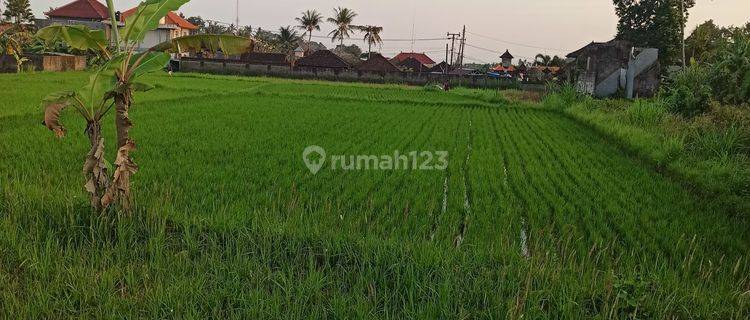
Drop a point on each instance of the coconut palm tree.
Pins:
(372, 37)
(548, 61)
(310, 21)
(542, 60)
(343, 18)
(286, 41)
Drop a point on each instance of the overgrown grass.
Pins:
(709, 151)
(229, 222)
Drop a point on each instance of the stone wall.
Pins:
(410, 78)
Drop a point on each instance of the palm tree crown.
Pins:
(310, 21)
(372, 37)
(343, 18)
(287, 39)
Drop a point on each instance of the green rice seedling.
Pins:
(556, 218)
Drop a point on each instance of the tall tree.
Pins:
(286, 41)
(309, 21)
(245, 31)
(343, 18)
(264, 36)
(18, 11)
(198, 22)
(372, 37)
(705, 40)
(542, 60)
(654, 23)
(215, 28)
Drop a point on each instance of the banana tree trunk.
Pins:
(119, 189)
(94, 169)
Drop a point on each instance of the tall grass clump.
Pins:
(688, 93)
(562, 96)
(647, 113)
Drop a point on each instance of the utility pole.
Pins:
(445, 70)
(237, 17)
(461, 49)
(452, 36)
(461, 56)
(682, 21)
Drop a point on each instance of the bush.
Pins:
(688, 92)
(731, 71)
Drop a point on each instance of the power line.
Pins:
(396, 40)
(493, 51)
(519, 44)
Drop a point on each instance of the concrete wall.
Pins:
(242, 68)
(45, 63)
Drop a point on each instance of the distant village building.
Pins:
(90, 13)
(440, 68)
(322, 61)
(351, 59)
(506, 69)
(378, 64)
(603, 69)
(264, 58)
(299, 52)
(413, 62)
(171, 26)
(95, 15)
(542, 73)
(507, 59)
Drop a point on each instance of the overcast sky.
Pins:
(526, 27)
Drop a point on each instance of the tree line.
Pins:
(287, 38)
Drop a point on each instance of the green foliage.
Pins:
(705, 40)
(18, 11)
(198, 22)
(13, 42)
(351, 49)
(342, 20)
(287, 40)
(688, 91)
(656, 24)
(731, 71)
(720, 143)
(647, 113)
(562, 96)
(75, 36)
(226, 43)
(607, 235)
(146, 18)
(309, 22)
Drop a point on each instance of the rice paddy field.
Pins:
(536, 216)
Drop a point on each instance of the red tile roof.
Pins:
(80, 9)
(171, 18)
(501, 68)
(421, 57)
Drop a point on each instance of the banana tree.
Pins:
(111, 88)
(12, 43)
